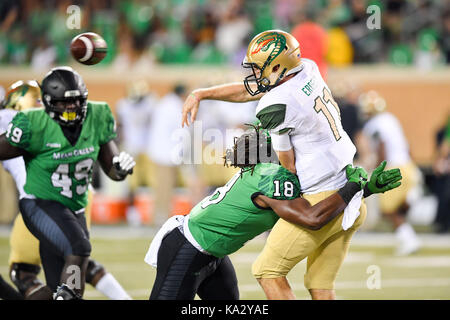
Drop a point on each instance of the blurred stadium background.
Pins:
(161, 50)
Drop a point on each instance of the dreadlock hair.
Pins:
(249, 149)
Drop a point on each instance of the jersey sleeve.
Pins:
(279, 183)
(275, 116)
(18, 131)
(109, 131)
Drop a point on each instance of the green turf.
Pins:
(425, 275)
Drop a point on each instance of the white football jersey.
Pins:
(386, 128)
(304, 108)
(136, 119)
(16, 166)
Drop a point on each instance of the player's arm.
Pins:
(8, 151)
(300, 211)
(282, 145)
(230, 92)
(116, 165)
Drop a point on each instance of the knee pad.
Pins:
(93, 269)
(82, 248)
(24, 276)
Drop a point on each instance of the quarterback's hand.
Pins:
(123, 163)
(382, 181)
(357, 175)
(190, 105)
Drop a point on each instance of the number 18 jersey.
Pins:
(223, 222)
(56, 170)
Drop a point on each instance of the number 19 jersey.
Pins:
(56, 170)
(223, 222)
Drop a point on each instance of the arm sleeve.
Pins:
(276, 116)
(109, 130)
(16, 167)
(18, 133)
(281, 142)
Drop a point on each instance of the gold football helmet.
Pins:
(272, 55)
(371, 103)
(22, 95)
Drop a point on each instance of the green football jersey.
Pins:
(56, 170)
(223, 222)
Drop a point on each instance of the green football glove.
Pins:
(382, 181)
(357, 175)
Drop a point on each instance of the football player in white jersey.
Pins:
(389, 142)
(297, 108)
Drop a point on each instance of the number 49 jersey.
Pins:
(223, 222)
(56, 170)
(304, 108)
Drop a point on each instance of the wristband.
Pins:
(348, 191)
(367, 192)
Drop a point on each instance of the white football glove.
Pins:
(124, 164)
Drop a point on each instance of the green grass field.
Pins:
(424, 275)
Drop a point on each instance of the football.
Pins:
(88, 48)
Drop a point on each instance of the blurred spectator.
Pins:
(44, 56)
(313, 40)
(441, 185)
(135, 115)
(367, 43)
(214, 31)
(445, 36)
(233, 30)
(9, 12)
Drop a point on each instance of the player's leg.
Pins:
(394, 206)
(277, 288)
(286, 246)
(181, 268)
(63, 232)
(222, 284)
(134, 182)
(324, 263)
(24, 262)
(53, 265)
(103, 281)
(166, 179)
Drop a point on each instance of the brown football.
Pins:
(88, 48)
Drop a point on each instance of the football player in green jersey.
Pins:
(191, 252)
(59, 144)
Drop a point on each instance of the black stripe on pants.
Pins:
(184, 271)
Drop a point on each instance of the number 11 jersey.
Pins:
(304, 108)
(56, 169)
